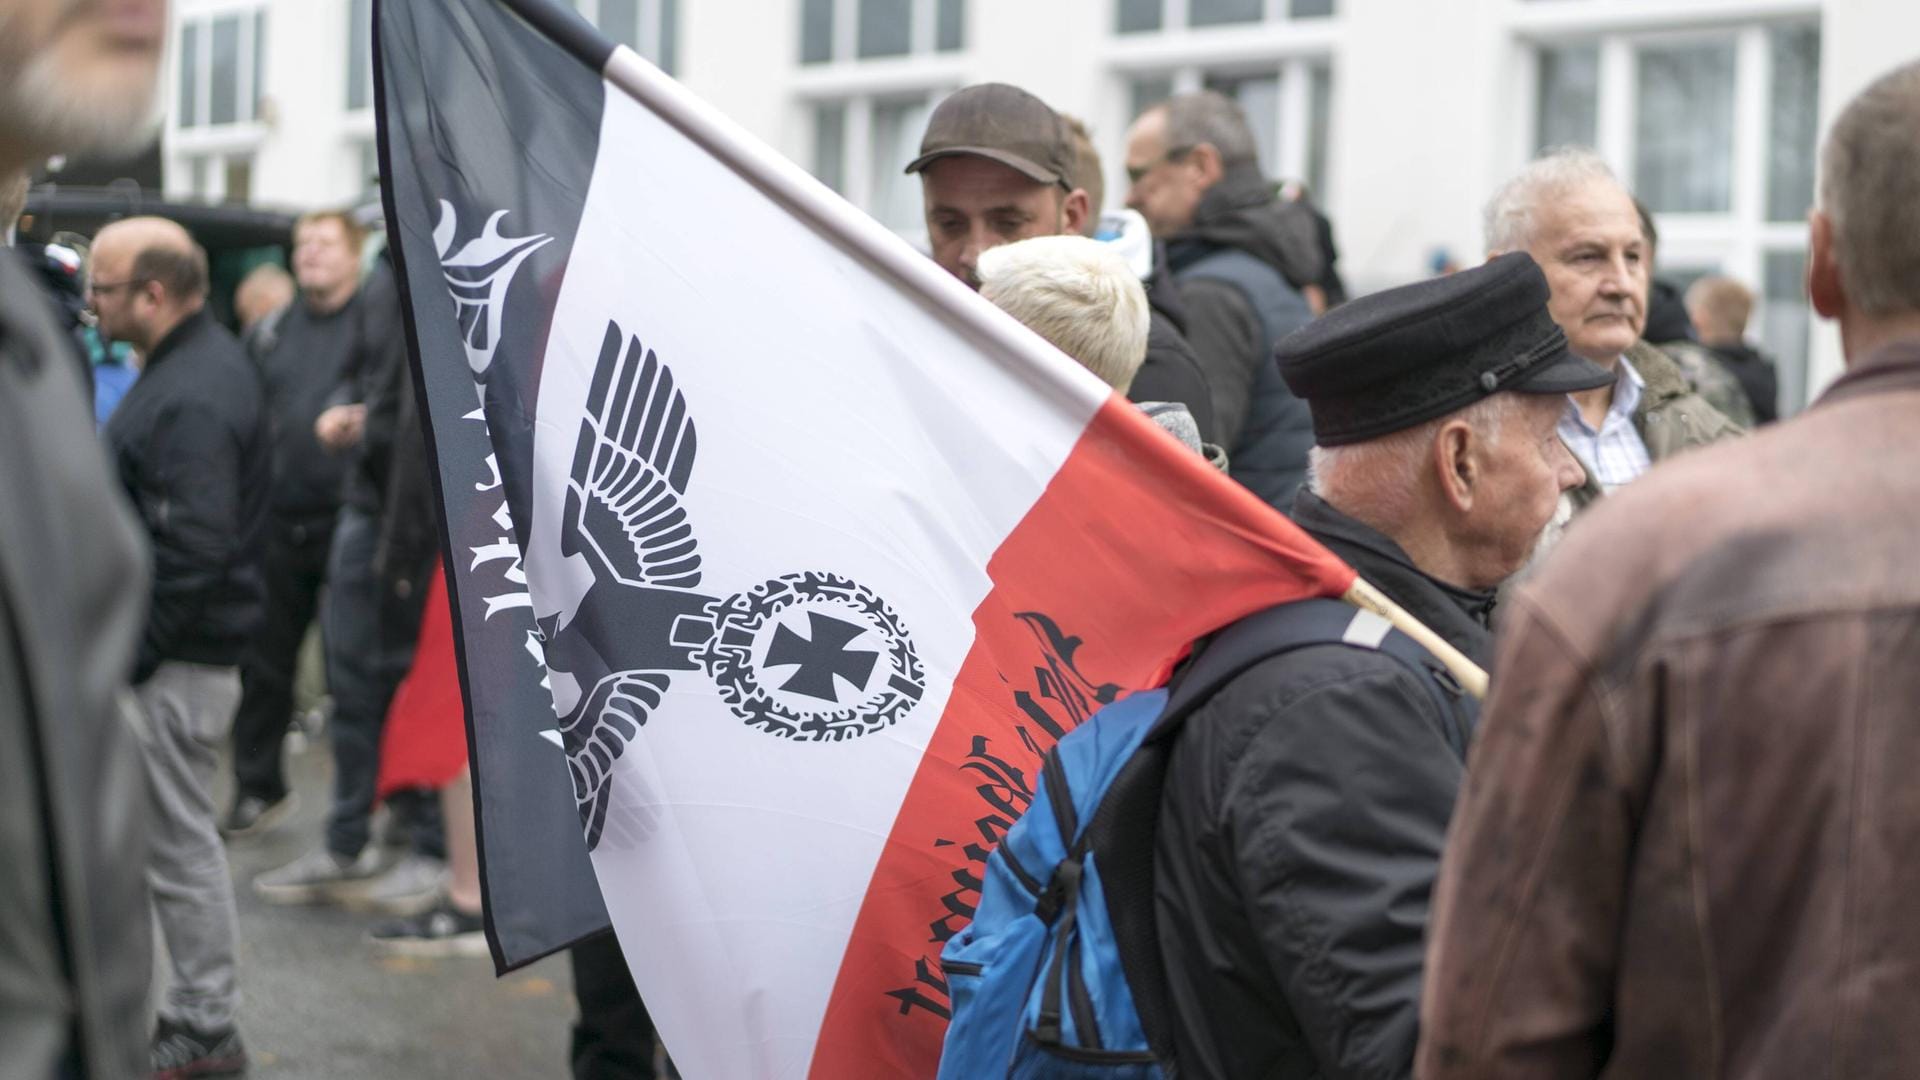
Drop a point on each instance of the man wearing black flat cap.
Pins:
(1306, 801)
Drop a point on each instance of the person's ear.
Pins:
(1075, 210)
(1824, 286)
(1205, 162)
(1456, 463)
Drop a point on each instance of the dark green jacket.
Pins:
(1670, 417)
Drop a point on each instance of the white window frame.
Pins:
(247, 95)
(647, 38)
(1735, 242)
(1282, 45)
(215, 163)
(861, 84)
(923, 32)
(206, 141)
(1174, 15)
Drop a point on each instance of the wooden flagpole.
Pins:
(1473, 678)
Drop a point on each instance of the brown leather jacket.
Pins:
(1689, 841)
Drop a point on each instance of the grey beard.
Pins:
(1549, 537)
(38, 109)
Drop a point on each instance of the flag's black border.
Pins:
(569, 31)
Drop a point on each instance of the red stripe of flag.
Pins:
(1138, 548)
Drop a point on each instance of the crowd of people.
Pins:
(1671, 841)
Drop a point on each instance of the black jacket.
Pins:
(392, 471)
(374, 377)
(1758, 377)
(1172, 371)
(190, 444)
(300, 369)
(1305, 807)
(1241, 266)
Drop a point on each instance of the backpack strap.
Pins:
(1125, 828)
(1262, 636)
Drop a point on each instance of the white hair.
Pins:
(1077, 293)
(1378, 481)
(1510, 216)
(1870, 188)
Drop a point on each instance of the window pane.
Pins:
(1312, 9)
(1259, 96)
(369, 167)
(952, 25)
(360, 54)
(1221, 12)
(816, 31)
(1683, 152)
(1567, 101)
(830, 145)
(1138, 16)
(1795, 122)
(1785, 322)
(197, 177)
(669, 35)
(239, 179)
(897, 127)
(190, 75)
(224, 103)
(259, 63)
(620, 21)
(1319, 117)
(1144, 94)
(884, 28)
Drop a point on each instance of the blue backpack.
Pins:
(1059, 973)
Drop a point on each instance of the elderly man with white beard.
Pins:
(76, 77)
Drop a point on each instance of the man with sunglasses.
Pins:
(1246, 263)
(189, 442)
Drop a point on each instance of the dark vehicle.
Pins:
(237, 238)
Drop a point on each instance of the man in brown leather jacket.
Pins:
(1687, 842)
(76, 953)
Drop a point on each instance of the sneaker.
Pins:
(252, 815)
(180, 1052)
(441, 930)
(318, 877)
(408, 887)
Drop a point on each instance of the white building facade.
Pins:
(1401, 116)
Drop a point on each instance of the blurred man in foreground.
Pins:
(76, 956)
(1685, 847)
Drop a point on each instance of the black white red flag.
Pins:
(822, 551)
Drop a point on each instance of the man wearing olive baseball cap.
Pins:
(996, 165)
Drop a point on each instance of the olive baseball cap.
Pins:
(1000, 123)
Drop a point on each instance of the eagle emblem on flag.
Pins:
(810, 656)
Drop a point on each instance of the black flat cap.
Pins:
(1000, 123)
(1394, 359)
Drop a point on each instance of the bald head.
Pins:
(144, 275)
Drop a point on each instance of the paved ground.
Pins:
(319, 1004)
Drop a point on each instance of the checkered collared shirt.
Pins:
(1615, 454)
